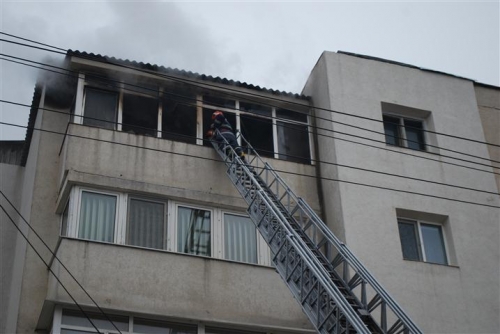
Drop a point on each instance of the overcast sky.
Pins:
(274, 45)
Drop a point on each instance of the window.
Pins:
(179, 116)
(257, 127)
(72, 321)
(64, 221)
(97, 216)
(404, 132)
(422, 241)
(240, 239)
(100, 108)
(293, 137)
(140, 115)
(193, 231)
(146, 224)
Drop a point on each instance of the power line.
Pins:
(32, 41)
(281, 171)
(258, 119)
(48, 267)
(192, 82)
(314, 160)
(58, 260)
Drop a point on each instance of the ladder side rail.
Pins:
(359, 268)
(345, 252)
(319, 269)
(315, 267)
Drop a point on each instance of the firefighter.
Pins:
(219, 122)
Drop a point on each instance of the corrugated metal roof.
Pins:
(182, 73)
(11, 151)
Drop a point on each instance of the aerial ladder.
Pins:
(336, 292)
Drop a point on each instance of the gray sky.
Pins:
(274, 44)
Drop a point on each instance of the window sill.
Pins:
(432, 263)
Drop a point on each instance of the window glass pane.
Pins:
(259, 133)
(414, 135)
(219, 101)
(97, 217)
(391, 129)
(432, 236)
(64, 221)
(256, 109)
(72, 331)
(213, 330)
(146, 224)
(240, 239)
(140, 115)
(409, 243)
(179, 115)
(145, 326)
(101, 105)
(293, 142)
(207, 121)
(77, 318)
(291, 115)
(193, 231)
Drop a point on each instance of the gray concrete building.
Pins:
(116, 177)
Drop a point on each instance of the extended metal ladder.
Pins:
(335, 291)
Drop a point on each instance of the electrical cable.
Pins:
(192, 82)
(32, 41)
(258, 119)
(313, 160)
(62, 264)
(277, 170)
(48, 267)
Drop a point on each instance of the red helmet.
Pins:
(217, 113)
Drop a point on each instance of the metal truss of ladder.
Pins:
(335, 291)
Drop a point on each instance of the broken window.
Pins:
(140, 115)
(293, 138)
(179, 116)
(100, 108)
(258, 130)
(293, 142)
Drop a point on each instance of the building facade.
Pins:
(117, 178)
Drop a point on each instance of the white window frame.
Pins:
(173, 222)
(263, 251)
(75, 207)
(420, 240)
(165, 218)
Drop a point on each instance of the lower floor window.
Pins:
(128, 219)
(422, 241)
(97, 216)
(70, 321)
(240, 239)
(193, 231)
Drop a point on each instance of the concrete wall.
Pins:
(462, 297)
(177, 286)
(488, 102)
(11, 180)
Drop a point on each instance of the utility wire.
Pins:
(277, 170)
(32, 41)
(258, 119)
(292, 156)
(48, 267)
(58, 260)
(193, 82)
